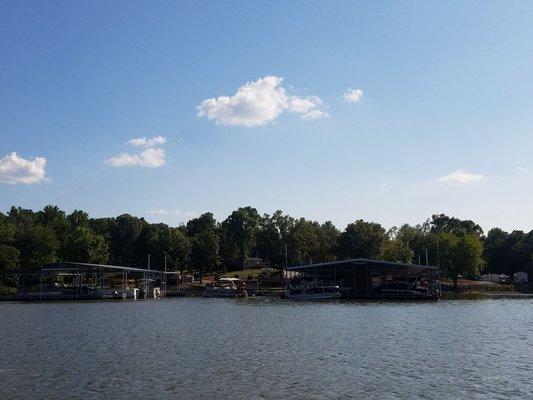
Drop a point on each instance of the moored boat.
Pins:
(314, 290)
(226, 287)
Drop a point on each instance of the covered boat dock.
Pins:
(84, 281)
(366, 278)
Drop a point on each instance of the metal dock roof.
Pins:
(59, 267)
(362, 261)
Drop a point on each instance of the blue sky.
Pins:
(447, 87)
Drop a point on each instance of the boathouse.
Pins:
(85, 281)
(365, 278)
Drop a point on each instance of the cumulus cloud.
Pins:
(460, 176)
(149, 158)
(353, 95)
(259, 102)
(147, 142)
(522, 169)
(15, 169)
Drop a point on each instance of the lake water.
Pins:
(266, 349)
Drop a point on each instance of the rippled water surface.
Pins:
(266, 349)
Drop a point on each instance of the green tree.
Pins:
(205, 222)
(204, 252)
(268, 241)
(496, 251)
(124, 234)
(397, 251)
(328, 236)
(37, 244)
(9, 259)
(83, 245)
(362, 240)
(178, 248)
(239, 231)
(7, 230)
(461, 255)
(419, 239)
(22, 216)
(54, 218)
(78, 218)
(442, 223)
(303, 242)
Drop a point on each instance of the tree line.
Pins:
(31, 240)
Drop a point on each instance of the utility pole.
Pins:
(148, 260)
(427, 263)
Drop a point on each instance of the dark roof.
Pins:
(361, 262)
(73, 266)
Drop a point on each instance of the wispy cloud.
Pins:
(149, 158)
(147, 142)
(15, 169)
(522, 169)
(460, 176)
(353, 95)
(259, 102)
(163, 213)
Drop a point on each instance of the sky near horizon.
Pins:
(340, 110)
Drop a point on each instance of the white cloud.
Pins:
(257, 103)
(165, 214)
(309, 107)
(159, 212)
(522, 169)
(147, 142)
(15, 169)
(150, 158)
(460, 176)
(353, 95)
(190, 214)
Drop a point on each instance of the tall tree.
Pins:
(205, 222)
(240, 233)
(420, 239)
(328, 236)
(9, 259)
(397, 251)
(303, 242)
(268, 241)
(461, 255)
(78, 218)
(362, 240)
(204, 253)
(37, 244)
(178, 248)
(124, 234)
(442, 223)
(83, 245)
(496, 251)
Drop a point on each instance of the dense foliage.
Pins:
(31, 239)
